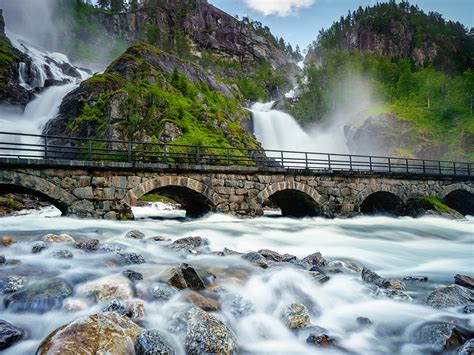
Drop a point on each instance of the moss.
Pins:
(436, 203)
(156, 198)
(7, 60)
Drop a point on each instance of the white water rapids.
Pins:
(432, 247)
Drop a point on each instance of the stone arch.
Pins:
(392, 198)
(37, 186)
(195, 197)
(294, 199)
(460, 197)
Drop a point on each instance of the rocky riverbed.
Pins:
(222, 285)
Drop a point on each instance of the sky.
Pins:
(299, 21)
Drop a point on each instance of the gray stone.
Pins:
(190, 243)
(315, 259)
(132, 275)
(9, 334)
(39, 247)
(295, 316)
(375, 279)
(14, 283)
(467, 348)
(162, 291)
(184, 276)
(256, 259)
(62, 254)
(153, 342)
(439, 337)
(464, 281)
(450, 296)
(131, 258)
(135, 235)
(91, 244)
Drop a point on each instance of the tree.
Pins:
(117, 5)
(133, 5)
(103, 4)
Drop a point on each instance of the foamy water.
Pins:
(433, 247)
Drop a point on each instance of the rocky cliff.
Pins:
(151, 96)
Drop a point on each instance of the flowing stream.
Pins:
(432, 247)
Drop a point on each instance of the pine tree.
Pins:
(117, 5)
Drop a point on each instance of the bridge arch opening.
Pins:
(461, 201)
(383, 203)
(15, 198)
(294, 203)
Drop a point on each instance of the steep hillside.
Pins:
(145, 96)
(417, 69)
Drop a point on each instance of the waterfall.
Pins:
(33, 76)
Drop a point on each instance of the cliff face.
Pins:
(151, 96)
(11, 92)
(207, 27)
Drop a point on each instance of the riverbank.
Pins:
(255, 302)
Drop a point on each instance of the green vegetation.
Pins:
(149, 98)
(435, 203)
(7, 60)
(156, 198)
(435, 103)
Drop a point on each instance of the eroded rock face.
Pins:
(207, 334)
(102, 333)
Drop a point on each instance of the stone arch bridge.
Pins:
(107, 190)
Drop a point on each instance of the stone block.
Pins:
(241, 191)
(119, 182)
(83, 192)
(84, 181)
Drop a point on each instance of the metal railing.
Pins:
(32, 146)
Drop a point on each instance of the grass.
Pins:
(156, 198)
(436, 203)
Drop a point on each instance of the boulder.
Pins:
(295, 316)
(14, 284)
(106, 289)
(238, 306)
(132, 275)
(153, 342)
(135, 235)
(450, 296)
(39, 297)
(73, 305)
(7, 240)
(54, 238)
(102, 333)
(271, 255)
(205, 303)
(3, 260)
(162, 291)
(375, 279)
(322, 340)
(130, 259)
(190, 244)
(134, 309)
(440, 337)
(184, 276)
(9, 334)
(315, 259)
(256, 259)
(39, 247)
(207, 334)
(91, 244)
(362, 321)
(62, 254)
(109, 248)
(464, 281)
(469, 309)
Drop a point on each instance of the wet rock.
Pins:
(54, 238)
(40, 296)
(440, 337)
(190, 244)
(159, 238)
(450, 296)
(102, 333)
(14, 284)
(153, 342)
(3, 260)
(7, 240)
(91, 244)
(375, 279)
(288, 258)
(390, 293)
(256, 259)
(467, 348)
(416, 278)
(73, 305)
(162, 291)
(207, 334)
(239, 307)
(106, 289)
(230, 252)
(132, 275)
(319, 276)
(469, 309)
(205, 303)
(184, 276)
(62, 254)
(9, 334)
(207, 277)
(39, 247)
(135, 235)
(295, 316)
(134, 309)
(131, 258)
(322, 340)
(365, 322)
(271, 255)
(315, 259)
(464, 281)
(352, 265)
(110, 248)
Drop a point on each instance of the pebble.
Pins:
(135, 235)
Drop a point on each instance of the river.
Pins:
(393, 247)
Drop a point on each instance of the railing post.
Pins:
(370, 164)
(198, 154)
(439, 167)
(282, 160)
(406, 163)
(45, 147)
(468, 169)
(350, 162)
(228, 156)
(329, 161)
(424, 168)
(306, 160)
(389, 165)
(89, 149)
(129, 149)
(165, 154)
(454, 168)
